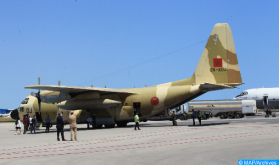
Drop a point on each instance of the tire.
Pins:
(222, 116)
(230, 116)
(237, 116)
(181, 117)
(110, 125)
(121, 124)
(99, 126)
(203, 117)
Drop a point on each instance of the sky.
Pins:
(127, 44)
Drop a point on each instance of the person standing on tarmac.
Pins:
(25, 122)
(47, 123)
(199, 116)
(18, 126)
(34, 122)
(73, 125)
(193, 116)
(60, 126)
(136, 121)
(31, 125)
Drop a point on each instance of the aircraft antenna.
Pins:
(38, 96)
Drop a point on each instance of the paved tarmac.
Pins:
(216, 141)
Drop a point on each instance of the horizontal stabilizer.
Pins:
(213, 87)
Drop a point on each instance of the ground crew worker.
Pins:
(193, 116)
(136, 121)
(25, 122)
(73, 125)
(47, 123)
(199, 116)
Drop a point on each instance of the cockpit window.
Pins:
(242, 94)
(25, 101)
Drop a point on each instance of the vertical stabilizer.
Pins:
(218, 63)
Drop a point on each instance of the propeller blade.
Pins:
(39, 101)
(38, 96)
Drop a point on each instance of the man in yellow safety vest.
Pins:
(136, 121)
(199, 116)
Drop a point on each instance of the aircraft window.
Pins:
(25, 101)
(21, 109)
(242, 93)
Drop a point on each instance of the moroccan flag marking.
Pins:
(217, 62)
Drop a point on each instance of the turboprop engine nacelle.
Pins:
(54, 96)
(73, 104)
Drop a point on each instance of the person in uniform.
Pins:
(199, 116)
(136, 121)
(193, 116)
(73, 125)
(60, 126)
(47, 123)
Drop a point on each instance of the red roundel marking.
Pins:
(154, 101)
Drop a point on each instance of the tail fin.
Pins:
(218, 63)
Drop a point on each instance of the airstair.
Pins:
(270, 110)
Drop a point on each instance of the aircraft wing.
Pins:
(71, 89)
(213, 87)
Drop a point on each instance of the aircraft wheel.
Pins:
(110, 125)
(121, 124)
(99, 126)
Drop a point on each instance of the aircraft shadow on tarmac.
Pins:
(131, 126)
(211, 124)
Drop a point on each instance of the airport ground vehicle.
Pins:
(224, 108)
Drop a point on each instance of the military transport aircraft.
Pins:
(217, 69)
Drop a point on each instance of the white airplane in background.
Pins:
(265, 97)
(6, 115)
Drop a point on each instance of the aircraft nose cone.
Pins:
(14, 114)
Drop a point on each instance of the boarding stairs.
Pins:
(271, 109)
